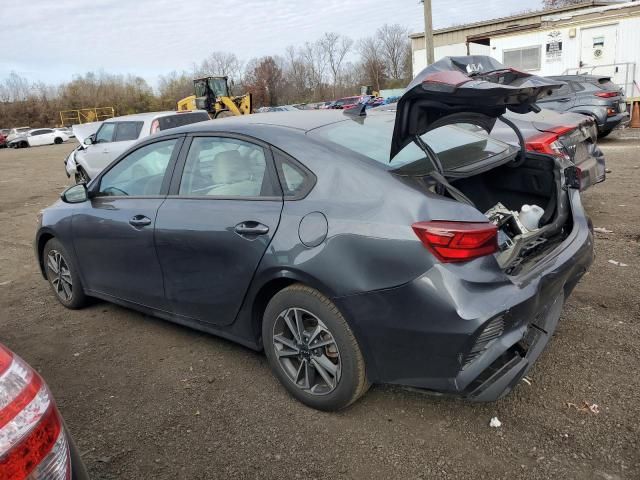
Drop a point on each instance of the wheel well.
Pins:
(42, 241)
(262, 298)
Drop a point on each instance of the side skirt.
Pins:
(179, 319)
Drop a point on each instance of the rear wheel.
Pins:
(63, 275)
(57, 141)
(312, 350)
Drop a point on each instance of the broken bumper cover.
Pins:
(70, 164)
(429, 333)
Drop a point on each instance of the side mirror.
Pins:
(88, 141)
(76, 194)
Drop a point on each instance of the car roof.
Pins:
(143, 117)
(580, 78)
(302, 120)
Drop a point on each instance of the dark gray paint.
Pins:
(412, 316)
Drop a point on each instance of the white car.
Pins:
(17, 132)
(37, 137)
(103, 142)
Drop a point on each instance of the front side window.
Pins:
(225, 167)
(126, 131)
(105, 134)
(140, 173)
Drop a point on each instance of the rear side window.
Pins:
(178, 120)
(296, 180)
(127, 131)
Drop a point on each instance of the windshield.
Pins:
(219, 87)
(457, 146)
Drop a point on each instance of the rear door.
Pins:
(560, 100)
(213, 229)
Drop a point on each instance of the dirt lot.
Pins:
(148, 399)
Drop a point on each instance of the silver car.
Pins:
(103, 142)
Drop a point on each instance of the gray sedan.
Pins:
(353, 248)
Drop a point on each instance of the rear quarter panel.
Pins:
(369, 242)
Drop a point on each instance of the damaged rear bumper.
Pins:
(466, 329)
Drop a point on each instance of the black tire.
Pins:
(76, 298)
(604, 133)
(352, 383)
(223, 114)
(57, 140)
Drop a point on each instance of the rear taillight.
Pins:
(33, 444)
(457, 241)
(607, 94)
(549, 142)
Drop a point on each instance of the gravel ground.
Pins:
(148, 399)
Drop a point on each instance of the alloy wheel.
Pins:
(60, 275)
(307, 351)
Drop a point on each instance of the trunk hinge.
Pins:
(438, 173)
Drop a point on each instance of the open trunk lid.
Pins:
(474, 89)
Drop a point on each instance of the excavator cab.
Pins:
(212, 94)
(208, 90)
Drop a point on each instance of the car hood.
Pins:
(472, 89)
(85, 130)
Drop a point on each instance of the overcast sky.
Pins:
(52, 40)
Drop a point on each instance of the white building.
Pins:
(596, 37)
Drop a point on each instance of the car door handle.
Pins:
(140, 221)
(251, 228)
(564, 99)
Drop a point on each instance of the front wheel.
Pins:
(62, 275)
(57, 141)
(312, 350)
(604, 133)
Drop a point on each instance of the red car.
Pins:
(3, 141)
(34, 443)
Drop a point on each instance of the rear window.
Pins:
(127, 131)
(178, 120)
(457, 146)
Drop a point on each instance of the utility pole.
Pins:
(428, 31)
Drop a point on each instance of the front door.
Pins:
(214, 227)
(598, 50)
(113, 232)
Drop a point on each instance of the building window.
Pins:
(527, 58)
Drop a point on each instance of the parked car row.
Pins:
(400, 244)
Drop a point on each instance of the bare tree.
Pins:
(335, 48)
(372, 60)
(316, 64)
(552, 4)
(394, 43)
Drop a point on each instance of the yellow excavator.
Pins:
(212, 95)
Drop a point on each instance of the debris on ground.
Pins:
(602, 230)
(6, 282)
(586, 407)
(495, 423)
(526, 380)
(620, 264)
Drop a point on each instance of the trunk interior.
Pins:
(532, 183)
(500, 194)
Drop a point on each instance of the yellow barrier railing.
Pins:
(85, 115)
